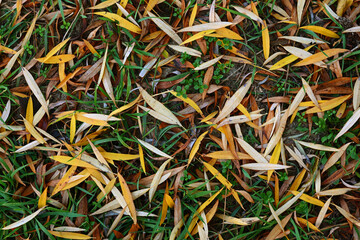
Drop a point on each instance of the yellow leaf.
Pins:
(193, 15)
(128, 197)
(210, 116)
(105, 4)
(42, 199)
(125, 107)
(33, 131)
(244, 111)
(69, 235)
(76, 180)
(333, 103)
(29, 115)
(54, 50)
(169, 200)
(188, 101)
(122, 21)
(274, 159)
(295, 185)
(321, 30)
(317, 57)
(218, 175)
(197, 36)
(227, 33)
(142, 159)
(266, 40)
(307, 223)
(63, 181)
(7, 50)
(309, 199)
(91, 48)
(341, 110)
(72, 161)
(151, 4)
(57, 59)
(200, 209)
(287, 60)
(196, 146)
(107, 189)
(227, 155)
(72, 128)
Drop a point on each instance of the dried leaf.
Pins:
(156, 181)
(23, 221)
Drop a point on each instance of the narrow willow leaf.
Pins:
(218, 175)
(72, 128)
(205, 27)
(300, 9)
(158, 106)
(354, 118)
(188, 101)
(69, 235)
(348, 216)
(266, 40)
(195, 147)
(274, 159)
(307, 223)
(238, 221)
(308, 199)
(128, 197)
(42, 199)
(186, 50)
(122, 21)
(310, 93)
(321, 30)
(33, 132)
(248, 13)
(286, 205)
(142, 159)
(155, 182)
(207, 64)
(57, 59)
(166, 28)
(335, 157)
(55, 49)
(23, 221)
(318, 146)
(35, 89)
(263, 166)
(251, 151)
(234, 101)
(318, 57)
(153, 149)
(322, 213)
(104, 4)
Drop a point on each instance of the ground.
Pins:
(179, 120)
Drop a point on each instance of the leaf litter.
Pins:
(213, 119)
